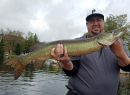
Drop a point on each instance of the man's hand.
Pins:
(61, 54)
(117, 49)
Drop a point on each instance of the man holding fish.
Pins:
(94, 74)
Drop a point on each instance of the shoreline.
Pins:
(123, 72)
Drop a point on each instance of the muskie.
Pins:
(75, 48)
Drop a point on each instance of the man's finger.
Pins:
(61, 49)
(53, 52)
(66, 52)
(58, 50)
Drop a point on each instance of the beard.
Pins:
(96, 33)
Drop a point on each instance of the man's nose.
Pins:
(95, 23)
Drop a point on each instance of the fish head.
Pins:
(110, 37)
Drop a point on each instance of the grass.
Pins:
(12, 55)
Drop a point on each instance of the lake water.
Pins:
(49, 80)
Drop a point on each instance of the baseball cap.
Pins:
(94, 12)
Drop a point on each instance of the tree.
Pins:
(17, 49)
(110, 23)
(10, 40)
(20, 40)
(36, 38)
(113, 22)
(126, 36)
(16, 42)
(2, 45)
(29, 41)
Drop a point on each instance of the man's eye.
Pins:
(99, 20)
(91, 20)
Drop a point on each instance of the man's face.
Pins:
(95, 25)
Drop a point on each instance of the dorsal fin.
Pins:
(35, 46)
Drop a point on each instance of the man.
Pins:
(89, 74)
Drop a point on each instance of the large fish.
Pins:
(75, 47)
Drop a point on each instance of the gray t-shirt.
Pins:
(96, 75)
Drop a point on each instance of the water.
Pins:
(49, 80)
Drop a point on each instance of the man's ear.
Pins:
(86, 23)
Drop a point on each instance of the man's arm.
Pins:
(117, 49)
(74, 70)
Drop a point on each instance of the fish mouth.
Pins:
(116, 35)
(119, 32)
(102, 45)
(108, 43)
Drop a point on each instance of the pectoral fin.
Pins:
(101, 51)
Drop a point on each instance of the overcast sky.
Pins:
(55, 19)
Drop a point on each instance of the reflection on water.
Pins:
(49, 80)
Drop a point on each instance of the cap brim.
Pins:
(88, 17)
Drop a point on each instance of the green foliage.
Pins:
(113, 22)
(17, 49)
(36, 38)
(110, 23)
(2, 46)
(29, 41)
(17, 42)
(85, 34)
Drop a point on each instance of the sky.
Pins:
(55, 20)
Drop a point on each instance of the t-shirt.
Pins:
(96, 75)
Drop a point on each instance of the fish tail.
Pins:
(17, 64)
